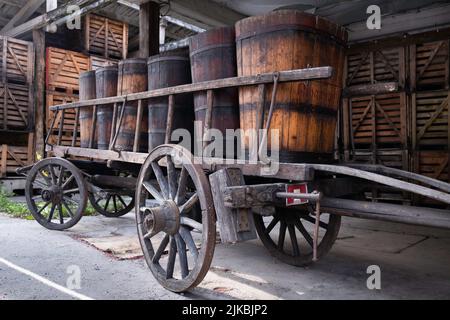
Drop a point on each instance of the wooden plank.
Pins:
(285, 76)
(148, 29)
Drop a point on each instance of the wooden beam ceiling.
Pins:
(23, 14)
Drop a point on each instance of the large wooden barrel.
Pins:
(305, 113)
(105, 86)
(132, 79)
(87, 92)
(213, 56)
(168, 70)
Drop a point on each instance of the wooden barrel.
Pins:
(213, 56)
(87, 92)
(305, 113)
(168, 70)
(105, 86)
(132, 79)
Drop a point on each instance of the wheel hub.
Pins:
(165, 218)
(53, 194)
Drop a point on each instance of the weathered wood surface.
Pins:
(388, 212)
(284, 76)
(288, 39)
(370, 89)
(106, 86)
(16, 60)
(16, 106)
(99, 62)
(106, 37)
(86, 116)
(40, 109)
(235, 225)
(13, 157)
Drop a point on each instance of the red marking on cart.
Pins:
(296, 188)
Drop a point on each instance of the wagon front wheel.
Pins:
(56, 193)
(175, 218)
(288, 234)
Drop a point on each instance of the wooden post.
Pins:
(148, 29)
(39, 91)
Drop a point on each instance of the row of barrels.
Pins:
(305, 114)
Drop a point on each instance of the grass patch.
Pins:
(20, 210)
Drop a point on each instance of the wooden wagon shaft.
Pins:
(285, 76)
(387, 212)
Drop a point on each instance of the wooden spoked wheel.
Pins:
(113, 203)
(175, 218)
(288, 235)
(56, 193)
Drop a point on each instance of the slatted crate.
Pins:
(106, 37)
(432, 163)
(429, 65)
(16, 61)
(373, 66)
(57, 98)
(66, 139)
(430, 119)
(393, 158)
(379, 120)
(16, 104)
(98, 62)
(13, 156)
(63, 69)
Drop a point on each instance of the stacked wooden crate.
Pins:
(63, 69)
(16, 104)
(430, 98)
(106, 40)
(375, 123)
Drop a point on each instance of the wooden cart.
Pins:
(180, 197)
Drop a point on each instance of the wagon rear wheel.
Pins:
(56, 193)
(288, 235)
(175, 218)
(113, 203)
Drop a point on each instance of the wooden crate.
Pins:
(16, 105)
(66, 139)
(106, 37)
(393, 158)
(99, 62)
(432, 163)
(377, 121)
(373, 66)
(13, 157)
(56, 98)
(63, 69)
(16, 61)
(429, 65)
(430, 119)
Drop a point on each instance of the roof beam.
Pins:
(58, 16)
(23, 14)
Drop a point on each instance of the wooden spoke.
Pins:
(294, 242)
(66, 198)
(152, 190)
(187, 238)
(121, 201)
(67, 182)
(45, 206)
(304, 232)
(40, 184)
(182, 184)
(107, 203)
(68, 208)
(191, 223)
(52, 174)
(171, 177)
(171, 260)
(46, 179)
(313, 221)
(61, 214)
(61, 175)
(52, 210)
(70, 191)
(161, 179)
(187, 206)
(161, 248)
(181, 248)
(114, 203)
(272, 224)
(282, 235)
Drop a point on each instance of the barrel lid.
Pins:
(107, 69)
(87, 74)
(133, 61)
(276, 20)
(167, 57)
(214, 37)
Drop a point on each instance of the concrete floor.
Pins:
(414, 264)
